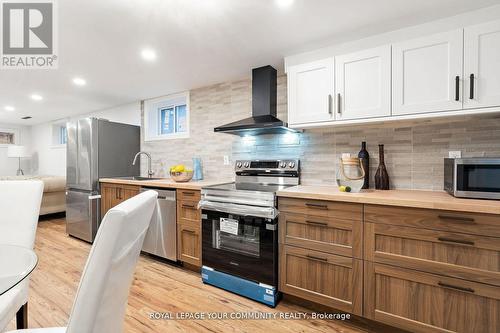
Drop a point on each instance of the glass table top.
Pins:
(16, 263)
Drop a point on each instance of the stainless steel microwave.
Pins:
(472, 177)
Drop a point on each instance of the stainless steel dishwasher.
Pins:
(161, 238)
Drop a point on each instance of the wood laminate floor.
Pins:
(157, 286)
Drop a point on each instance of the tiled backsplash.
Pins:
(414, 150)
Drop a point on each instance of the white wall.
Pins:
(50, 159)
(127, 114)
(8, 166)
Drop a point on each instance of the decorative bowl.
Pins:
(181, 177)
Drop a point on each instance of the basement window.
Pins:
(7, 137)
(166, 117)
(59, 134)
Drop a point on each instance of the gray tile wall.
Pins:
(414, 150)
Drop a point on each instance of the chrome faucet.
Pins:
(150, 172)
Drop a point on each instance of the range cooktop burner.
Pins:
(256, 184)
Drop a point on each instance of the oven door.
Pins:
(244, 246)
(478, 179)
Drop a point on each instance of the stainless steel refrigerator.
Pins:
(96, 148)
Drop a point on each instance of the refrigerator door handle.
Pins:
(95, 207)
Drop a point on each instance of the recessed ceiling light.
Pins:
(284, 3)
(9, 108)
(148, 54)
(36, 97)
(79, 81)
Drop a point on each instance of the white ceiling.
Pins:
(198, 42)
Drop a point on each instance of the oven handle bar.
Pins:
(244, 210)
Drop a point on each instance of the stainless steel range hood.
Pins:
(263, 120)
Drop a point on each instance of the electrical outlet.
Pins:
(227, 161)
(455, 154)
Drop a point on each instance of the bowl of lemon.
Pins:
(179, 173)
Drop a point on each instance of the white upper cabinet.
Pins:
(363, 84)
(427, 74)
(482, 65)
(310, 90)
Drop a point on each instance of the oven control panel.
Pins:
(268, 165)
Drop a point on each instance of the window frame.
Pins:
(152, 109)
(12, 131)
(56, 131)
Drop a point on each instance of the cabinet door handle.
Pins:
(324, 224)
(316, 258)
(471, 92)
(457, 88)
(450, 286)
(339, 104)
(459, 219)
(188, 206)
(317, 206)
(330, 112)
(458, 241)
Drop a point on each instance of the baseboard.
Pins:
(52, 216)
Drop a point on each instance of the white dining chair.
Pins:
(102, 296)
(19, 208)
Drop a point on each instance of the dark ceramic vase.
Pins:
(381, 176)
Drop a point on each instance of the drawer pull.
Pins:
(189, 231)
(459, 219)
(190, 194)
(450, 286)
(324, 224)
(458, 241)
(318, 206)
(317, 258)
(188, 206)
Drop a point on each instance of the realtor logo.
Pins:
(28, 34)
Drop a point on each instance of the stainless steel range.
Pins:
(240, 228)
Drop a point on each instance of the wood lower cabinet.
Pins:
(321, 251)
(323, 278)
(189, 244)
(472, 257)
(333, 235)
(188, 227)
(321, 208)
(114, 194)
(462, 222)
(423, 302)
(422, 270)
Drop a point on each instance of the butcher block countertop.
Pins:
(402, 198)
(166, 183)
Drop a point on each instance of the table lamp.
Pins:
(19, 152)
